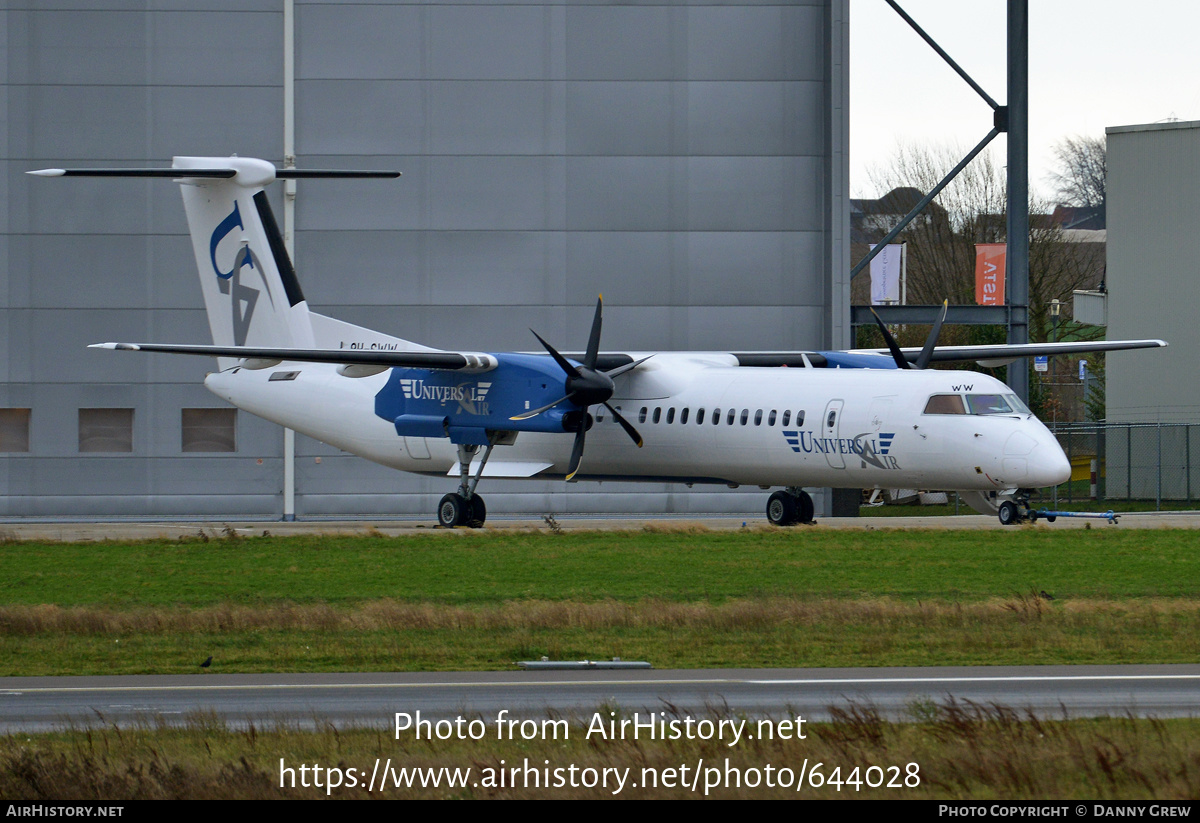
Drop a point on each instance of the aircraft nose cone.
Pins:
(1048, 465)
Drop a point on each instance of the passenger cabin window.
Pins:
(758, 418)
(683, 416)
(787, 415)
(642, 415)
(700, 417)
(771, 418)
(745, 416)
(657, 413)
(945, 404)
(799, 419)
(671, 415)
(729, 419)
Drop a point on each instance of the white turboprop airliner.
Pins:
(842, 419)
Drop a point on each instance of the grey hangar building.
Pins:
(688, 160)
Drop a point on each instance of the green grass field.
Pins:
(676, 597)
(679, 597)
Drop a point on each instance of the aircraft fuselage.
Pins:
(702, 422)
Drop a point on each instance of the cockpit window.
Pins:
(945, 404)
(996, 404)
(988, 404)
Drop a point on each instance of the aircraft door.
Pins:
(830, 425)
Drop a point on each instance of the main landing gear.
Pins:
(789, 507)
(465, 507)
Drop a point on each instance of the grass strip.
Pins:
(391, 636)
(684, 565)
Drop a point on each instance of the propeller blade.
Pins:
(927, 353)
(576, 453)
(620, 370)
(536, 412)
(593, 345)
(897, 355)
(558, 358)
(626, 425)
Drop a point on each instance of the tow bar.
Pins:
(1052, 515)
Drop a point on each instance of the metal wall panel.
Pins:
(1153, 200)
(550, 151)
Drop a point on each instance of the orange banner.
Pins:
(989, 274)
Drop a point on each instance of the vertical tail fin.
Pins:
(250, 289)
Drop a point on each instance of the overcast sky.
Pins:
(1092, 64)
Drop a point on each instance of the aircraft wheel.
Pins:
(1050, 518)
(478, 512)
(452, 511)
(1009, 513)
(804, 507)
(781, 509)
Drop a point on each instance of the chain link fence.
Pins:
(1157, 462)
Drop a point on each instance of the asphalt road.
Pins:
(373, 699)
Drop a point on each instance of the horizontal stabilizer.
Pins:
(451, 361)
(218, 173)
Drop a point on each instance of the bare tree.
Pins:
(973, 209)
(1079, 178)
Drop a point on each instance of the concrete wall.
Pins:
(687, 160)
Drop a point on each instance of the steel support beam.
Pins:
(925, 315)
(1017, 263)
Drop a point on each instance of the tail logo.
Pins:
(242, 298)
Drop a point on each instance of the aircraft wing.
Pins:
(265, 357)
(989, 355)
(1001, 353)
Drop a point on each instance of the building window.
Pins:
(106, 430)
(209, 430)
(14, 430)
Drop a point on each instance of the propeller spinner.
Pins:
(587, 386)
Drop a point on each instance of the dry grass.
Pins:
(963, 751)
(379, 615)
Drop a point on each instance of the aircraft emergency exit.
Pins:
(843, 419)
